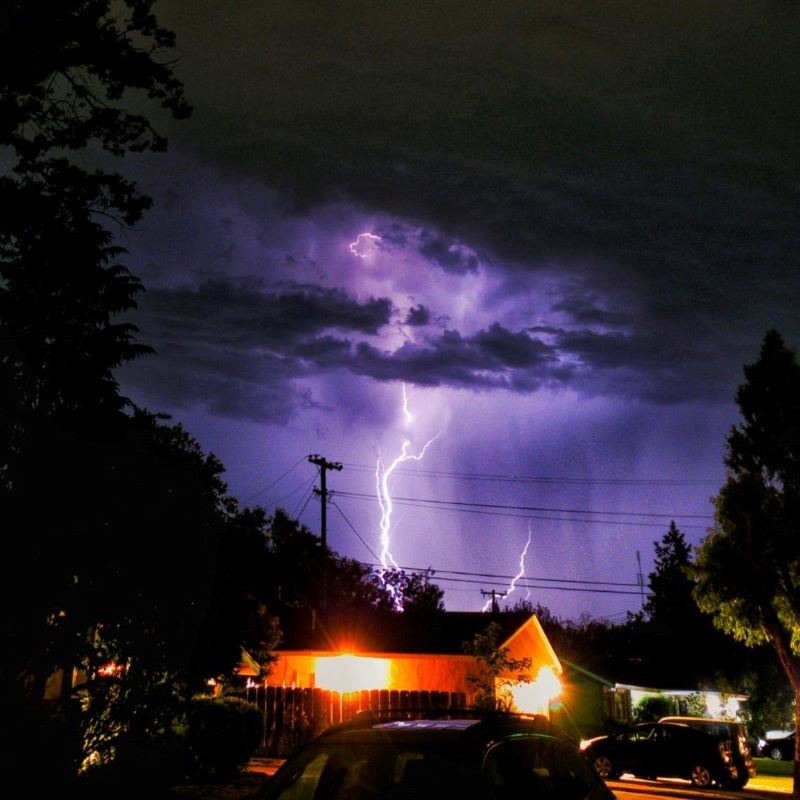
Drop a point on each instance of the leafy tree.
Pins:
(295, 567)
(674, 626)
(240, 611)
(497, 671)
(65, 68)
(88, 522)
(142, 564)
(653, 707)
(418, 594)
(748, 566)
(670, 597)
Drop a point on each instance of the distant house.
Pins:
(591, 704)
(368, 651)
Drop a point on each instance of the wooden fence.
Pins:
(292, 716)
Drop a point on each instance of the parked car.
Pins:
(663, 750)
(734, 734)
(468, 756)
(780, 748)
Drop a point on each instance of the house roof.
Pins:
(376, 631)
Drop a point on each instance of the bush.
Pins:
(652, 708)
(222, 734)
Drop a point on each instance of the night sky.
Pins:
(562, 227)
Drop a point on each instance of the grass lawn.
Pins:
(767, 766)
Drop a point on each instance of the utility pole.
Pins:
(495, 595)
(640, 577)
(324, 465)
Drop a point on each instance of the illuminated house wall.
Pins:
(352, 668)
(440, 673)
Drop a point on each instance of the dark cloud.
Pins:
(246, 311)
(583, 309)
(451, 256)
(418, 316)
(650, 165)
(615, 138)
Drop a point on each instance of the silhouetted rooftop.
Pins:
(377, 631)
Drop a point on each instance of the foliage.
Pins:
(141, 563)
(294, 736)
(222, 735)
(748, 567)
(497, 671)
(670, 595)
(652, 708)
(414, 591)
(294, 569)
(65, 67)
(238, 614)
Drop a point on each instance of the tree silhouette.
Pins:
(91, 530)
(65, 68)
(748, 567)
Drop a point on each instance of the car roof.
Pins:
(699, 721)
(426, 724)
(471, 723)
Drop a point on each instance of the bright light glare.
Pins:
(535, 697)
(346, 673)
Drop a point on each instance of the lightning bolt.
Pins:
(521, 572)
(382, 476)
(364, 245)
(406, 413)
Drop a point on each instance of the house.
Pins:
(591, 704)
(366, 650)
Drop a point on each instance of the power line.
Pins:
(485, 575)
(360, 538)
(457, 504)
(523, 584)
(298, 515)
(304, 483)
(616, 523)
(277, 480)
(495, 477)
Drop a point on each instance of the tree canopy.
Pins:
(748, 567)
(69, 70)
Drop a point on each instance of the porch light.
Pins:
(348, 673)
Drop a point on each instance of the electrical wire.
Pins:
(506, 578)
(360, 537)
(548, 479)
(277, 480)
(468, 508)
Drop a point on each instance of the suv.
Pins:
(469, 755)
(663, 750)
(733, 734)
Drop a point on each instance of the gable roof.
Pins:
(368, 630)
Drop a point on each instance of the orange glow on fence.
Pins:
(535, 697)
(348, 673)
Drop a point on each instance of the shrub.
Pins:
(652, 708)
(222, 734)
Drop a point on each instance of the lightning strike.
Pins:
(406, 413)
(521, 572)
(382, 476)
(364, 245)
